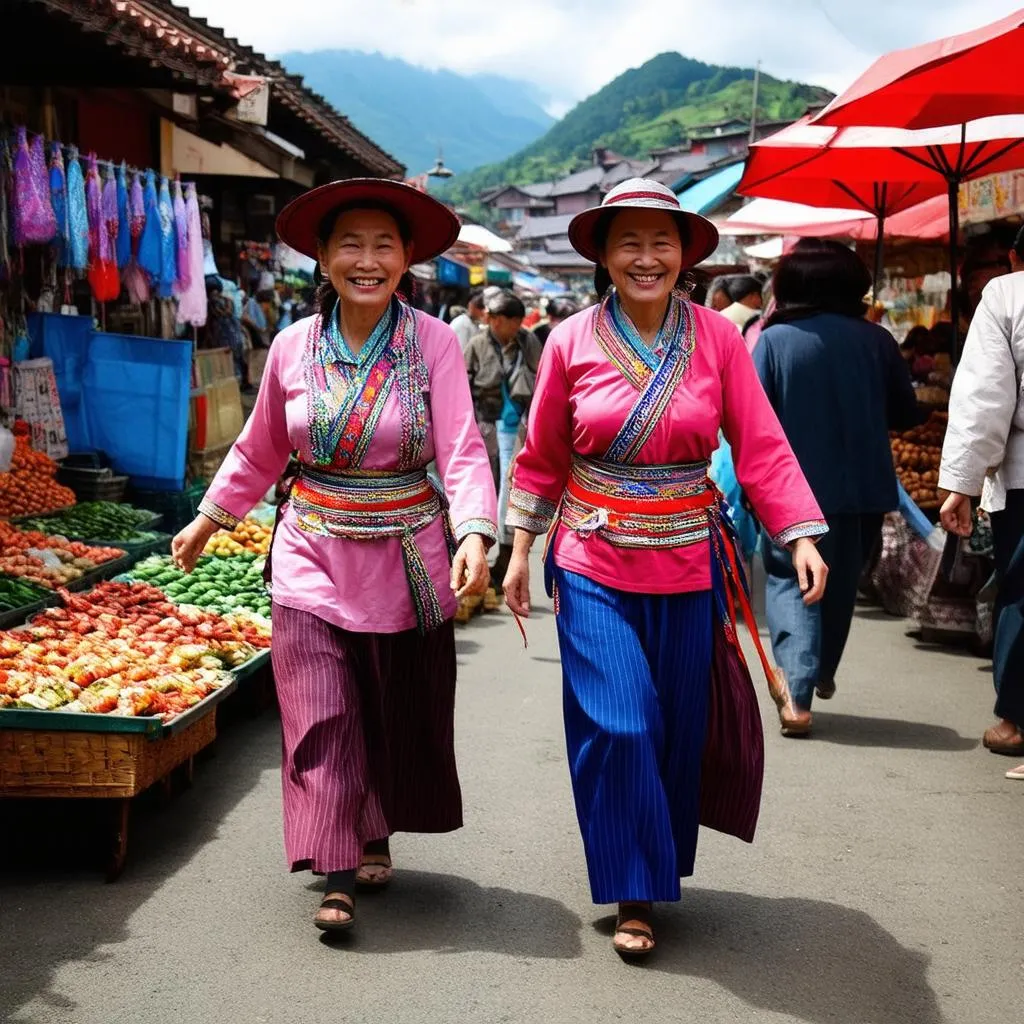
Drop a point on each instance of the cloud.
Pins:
(570, 48)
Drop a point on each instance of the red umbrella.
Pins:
(816, 164)
(950, 81)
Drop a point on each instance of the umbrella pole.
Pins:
(879, 254)
(954, 294)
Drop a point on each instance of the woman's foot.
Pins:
(795, 720)
(1004, 738)
(376, 870)
(337, 912)
(634, 936)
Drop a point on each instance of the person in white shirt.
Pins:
(983, 455)
(465, 325)
(746, 292)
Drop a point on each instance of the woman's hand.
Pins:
(470, 572)
(517, 585)
(191, 542)
(955, 515)
(811, 570)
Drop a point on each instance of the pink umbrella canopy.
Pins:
(949, 81)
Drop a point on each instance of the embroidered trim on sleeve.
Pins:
(220, 516)
(485, 527)
(812, 528)
(529, 512)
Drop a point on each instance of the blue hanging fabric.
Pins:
(149, 244)
(59, 201)
(124, 227)
(168, 242)
(78, 218)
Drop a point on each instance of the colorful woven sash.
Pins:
(372, 505)
(639, 506)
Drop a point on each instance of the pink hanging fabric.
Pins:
(192, 300)
(34, 222)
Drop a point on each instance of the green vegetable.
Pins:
(217, 584)
(95, 520)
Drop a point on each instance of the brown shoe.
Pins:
(1004, 738)
(795, 721)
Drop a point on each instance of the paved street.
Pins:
(884, 886)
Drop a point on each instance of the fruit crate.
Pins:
(68, 754)
(173, 509)
(212, 365)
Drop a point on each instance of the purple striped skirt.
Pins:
(368, 724)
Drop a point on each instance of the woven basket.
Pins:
(37, 763)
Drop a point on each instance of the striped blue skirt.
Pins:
(636, 673)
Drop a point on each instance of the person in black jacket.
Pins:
(839, 385)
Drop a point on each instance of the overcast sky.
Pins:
(570, 48)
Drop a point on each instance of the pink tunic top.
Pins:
(360, 585)
(579, 406)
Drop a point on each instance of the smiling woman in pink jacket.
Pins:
(661, 720)
(368, 559)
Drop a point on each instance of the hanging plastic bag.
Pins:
(124, 227)
(78, 217)
(34, 222)
(192, 302)
(183, 273)
(168, 244)
(149, 242)
(136, 213)
(103, 279)
(59, 202)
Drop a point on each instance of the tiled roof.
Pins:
(164, 33)
(581, 181)
(545, 227)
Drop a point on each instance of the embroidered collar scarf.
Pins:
(654, 370)
(346, 397)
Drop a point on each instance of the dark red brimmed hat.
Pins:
(434, 227)
(700, 236)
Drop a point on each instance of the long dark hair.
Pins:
(603, 280)
(820, 275)
(326, 296)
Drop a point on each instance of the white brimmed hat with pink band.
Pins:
(698, 234)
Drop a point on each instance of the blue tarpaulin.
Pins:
(450, 272)
(707, 195)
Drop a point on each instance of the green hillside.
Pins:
(644, 108)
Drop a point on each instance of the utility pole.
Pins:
(753, 112)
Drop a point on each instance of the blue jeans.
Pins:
(808, 642)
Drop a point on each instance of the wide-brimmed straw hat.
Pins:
(699, 235)
(434, 227)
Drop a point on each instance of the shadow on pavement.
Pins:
(863, 731)
(447, 914)
(42, 930)
(816, 961)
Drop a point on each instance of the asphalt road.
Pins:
(884, 886)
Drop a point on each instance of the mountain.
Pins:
(643, 109)
(411, 111)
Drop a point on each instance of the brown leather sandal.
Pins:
(633, 920)
(378, 880)
(795, 721)
(336, 901)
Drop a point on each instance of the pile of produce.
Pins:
(30, 486)
(218, 584)
(17, 594)
(97, 520)
(123, 649)
(917, 455)
(247, 537)
(50, 562)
